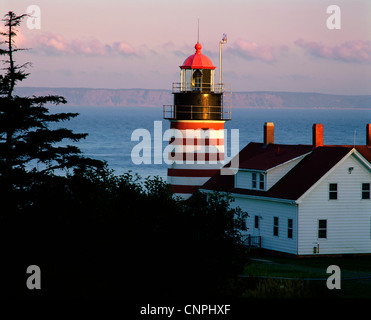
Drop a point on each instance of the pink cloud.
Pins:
(252, 50)
(123, 48)
(52, 43)
(55, 44)
(350, 51)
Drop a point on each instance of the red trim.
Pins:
(196, 67)
(183, 189)
(184, 125)
(191, 172)
(196, 156)
(195, 141)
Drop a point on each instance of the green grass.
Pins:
(262, 281)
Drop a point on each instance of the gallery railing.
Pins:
(181, 112)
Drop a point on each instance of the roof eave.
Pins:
(287, 162)
(196, 67)
(254, 197)
(362, 159)
(277, 166)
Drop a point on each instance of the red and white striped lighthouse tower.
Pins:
(197, 117)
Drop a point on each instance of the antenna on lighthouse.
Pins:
(198, 30)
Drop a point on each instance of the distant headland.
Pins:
(89, 97)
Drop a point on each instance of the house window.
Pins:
(275, 226)
(365, 191)
(254, 180)
(256, 222)
(261, 181)
(258, 181)
(289, 228)
(333, 191)
(243, 221)
(322, 229)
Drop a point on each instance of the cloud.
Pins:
(168, 45)
(56, 44)
(123, 48)
(350, 51)
(253, 51)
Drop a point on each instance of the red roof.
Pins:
(257, 156)
(297, 181)
(197, 60)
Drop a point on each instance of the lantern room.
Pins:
(197, 73)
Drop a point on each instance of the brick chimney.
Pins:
(317, 135)
(268, 132)
(368, 134)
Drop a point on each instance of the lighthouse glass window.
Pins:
(186, 79)
(196, 81)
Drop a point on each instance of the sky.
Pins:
(272, 45)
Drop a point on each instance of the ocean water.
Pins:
(110, 131)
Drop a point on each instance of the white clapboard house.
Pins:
(303, 199)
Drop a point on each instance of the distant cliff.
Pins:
(300, 100)
(157, 98)
(87, 97)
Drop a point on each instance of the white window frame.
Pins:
(261, 181)
(321, 229)
(330, 192)
(258, 181)
(365, 191)
(254, 180)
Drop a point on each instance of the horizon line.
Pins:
(169, 90)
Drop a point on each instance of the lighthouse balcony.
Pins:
(196, 112)
(199, 87)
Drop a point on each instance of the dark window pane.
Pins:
(289, 233)
(322, 229)
(261, 181)
(289, 223)
(322, 234)
(365, 191)
(322, 224)
(275, 226)
(333, 194)
(254, 180)
(275, 231)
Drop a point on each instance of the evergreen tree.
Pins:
(28, 147)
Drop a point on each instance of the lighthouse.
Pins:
(197, 116)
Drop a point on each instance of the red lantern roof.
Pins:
(197, 60)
